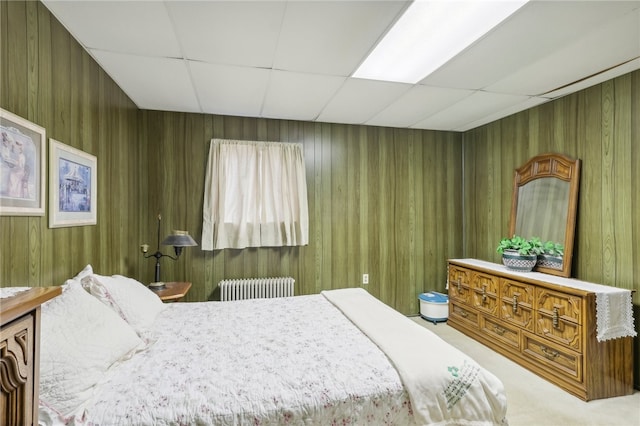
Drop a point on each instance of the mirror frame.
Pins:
(555, 166)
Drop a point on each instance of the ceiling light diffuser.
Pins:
(429, 34)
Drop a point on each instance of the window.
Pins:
(255, 195)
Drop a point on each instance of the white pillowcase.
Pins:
(131, 299)
(80, 339)
(86, 271)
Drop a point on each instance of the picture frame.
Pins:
(22, 166)
(73, 186)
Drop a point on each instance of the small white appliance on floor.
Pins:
(434, 306)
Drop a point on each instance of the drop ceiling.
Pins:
(293, 60)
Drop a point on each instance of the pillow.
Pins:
(80, 339)
(131, 299)
(88, 270)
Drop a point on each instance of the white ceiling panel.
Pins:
(359, 100)
(576, 59)
(537, 31)
(222, 32)
(152, 83)
(230, 90)
(417, 104)
(332, 37)
(297, 96)
(293, 59)
(471, 108)
(501, 113)
(136, 27)
(596, 79)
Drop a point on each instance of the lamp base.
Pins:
(156, 286)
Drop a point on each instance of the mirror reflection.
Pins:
(543, 205)
(545, 196)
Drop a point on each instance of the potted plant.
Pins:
(519, 253)
(552, 255)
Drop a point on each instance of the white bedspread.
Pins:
(446, 387)
(257, 362)
(296, 361)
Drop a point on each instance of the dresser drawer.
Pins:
(463, 314)
(557, 358)
(554, 303)
(459, 279)
(516, 303)
(558, 318)
(484, 293)
(501, 332)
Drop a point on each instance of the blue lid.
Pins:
(434, 297)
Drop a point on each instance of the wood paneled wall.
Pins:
(377, 199)
(48, 79)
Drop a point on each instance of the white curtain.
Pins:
(255, 195)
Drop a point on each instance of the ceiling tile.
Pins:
(229, 90)
(572, 62)
(501, 113)
(536, 31)
(358, 100)
(332, 37)
(139, 27)
(297, 96)
(241, 33)
(417, 104)
(152, 83)
(469, 109)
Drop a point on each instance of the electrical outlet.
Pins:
(365, 278)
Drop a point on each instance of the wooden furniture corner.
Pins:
(20, 355)
(172, 291)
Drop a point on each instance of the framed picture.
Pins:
(22, 166)
(73, 184)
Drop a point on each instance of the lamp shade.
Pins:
(179, 239)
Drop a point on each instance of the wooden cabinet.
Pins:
(545, 323)
(20, 356)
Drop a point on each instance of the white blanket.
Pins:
(267, 362)
(445, 386)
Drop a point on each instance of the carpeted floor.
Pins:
(532, 401)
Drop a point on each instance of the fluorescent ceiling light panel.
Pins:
(429, 34)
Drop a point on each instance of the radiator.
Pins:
(256, 288)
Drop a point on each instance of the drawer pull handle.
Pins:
(484, 294)
(549, 353)
(459, 286)
(515, 303)
(463, 314)
(555, 318)
(499, 330)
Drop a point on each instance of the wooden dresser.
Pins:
(20, 356)
(541, 322)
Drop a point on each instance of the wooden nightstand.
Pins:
(172, 291)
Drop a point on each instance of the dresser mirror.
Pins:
(544, 203)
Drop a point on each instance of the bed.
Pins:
(113, 354)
